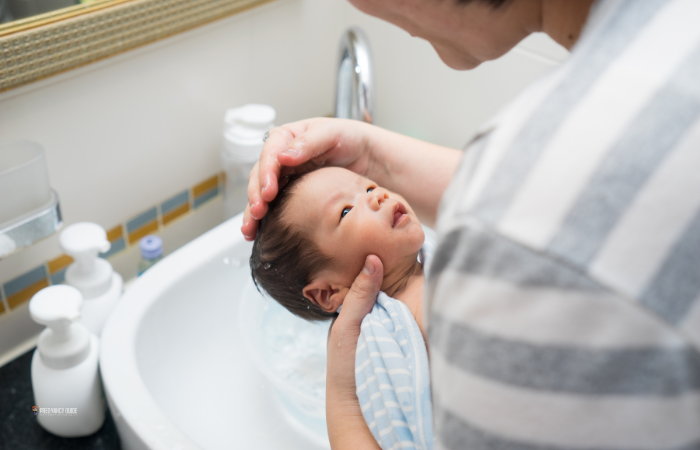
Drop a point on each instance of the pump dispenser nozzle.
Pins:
(62, 344)
(84, 241)
(56, 307)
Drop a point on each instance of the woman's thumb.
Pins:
(364, 290)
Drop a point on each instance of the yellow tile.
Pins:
(143, 231)
(59, 263)
(205, 186)
(26, 293)
(115, 233)
(2, 308)
(175, 213)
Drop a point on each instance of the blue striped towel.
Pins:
(392, 377)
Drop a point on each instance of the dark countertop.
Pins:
(18, 426)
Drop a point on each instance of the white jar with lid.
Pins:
(244, 130)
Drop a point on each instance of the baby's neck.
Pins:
(407, 287)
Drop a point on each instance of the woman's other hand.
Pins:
(301, 147)
(347, 428)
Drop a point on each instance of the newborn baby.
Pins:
(309, 248)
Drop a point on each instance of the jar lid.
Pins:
(151, 246)
(252, 115)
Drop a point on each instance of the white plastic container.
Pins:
(94, 277)
(65, 378)
(24, 179)
(244, 130)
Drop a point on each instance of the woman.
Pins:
(563, 301)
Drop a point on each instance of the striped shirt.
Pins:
(563, 300)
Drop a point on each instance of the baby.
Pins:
(311, 245)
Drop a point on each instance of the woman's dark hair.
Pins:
(284, 260)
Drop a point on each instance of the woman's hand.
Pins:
(417, 170)
(347, 428)
(301, 147)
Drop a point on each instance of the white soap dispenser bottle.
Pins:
(65, 378)
(244, 134)
(94, 277)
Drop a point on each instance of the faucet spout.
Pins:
(355, 96)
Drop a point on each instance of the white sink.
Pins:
(175, 368)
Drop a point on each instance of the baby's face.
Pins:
(350, 217)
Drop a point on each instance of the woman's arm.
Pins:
(418, 170)
(415, 169)
(347, 428)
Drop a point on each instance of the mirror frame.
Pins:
(38, 47)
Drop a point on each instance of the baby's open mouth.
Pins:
(399, 213)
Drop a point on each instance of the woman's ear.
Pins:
(326, 296)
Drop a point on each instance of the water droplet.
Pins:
(308, 307)
(266, 266)
(227, 260)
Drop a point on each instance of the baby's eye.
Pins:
(370, 189)
(345, 211)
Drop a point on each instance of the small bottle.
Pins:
(100, 286)
(65, 378)
(151, 252)
(244, 131)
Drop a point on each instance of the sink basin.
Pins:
(175, 367)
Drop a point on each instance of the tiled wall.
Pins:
(21, 288)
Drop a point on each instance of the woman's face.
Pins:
(350, 217)
(464, 35)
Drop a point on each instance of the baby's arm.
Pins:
(346, 425)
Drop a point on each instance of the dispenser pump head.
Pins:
(56, 307)
(84, 241)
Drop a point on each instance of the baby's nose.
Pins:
(377, 198)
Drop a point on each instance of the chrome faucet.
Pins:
(355, 95)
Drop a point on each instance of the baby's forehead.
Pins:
(333, 178)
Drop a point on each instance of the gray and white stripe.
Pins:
(565, 290)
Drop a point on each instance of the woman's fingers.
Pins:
(255, 209)
(268, 166)
(342, 340)
(301, 147)
(250, 225)
(363, 293)
(254, 199)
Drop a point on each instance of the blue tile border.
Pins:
(141, 220)
(199, 201)
(178, 200)
(27, 279)
(147, 217)
(118, 245)
(59, 277)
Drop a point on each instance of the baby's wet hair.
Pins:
(285, 260)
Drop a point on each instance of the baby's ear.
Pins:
(324, 295)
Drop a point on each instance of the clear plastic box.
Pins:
(24, 180)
